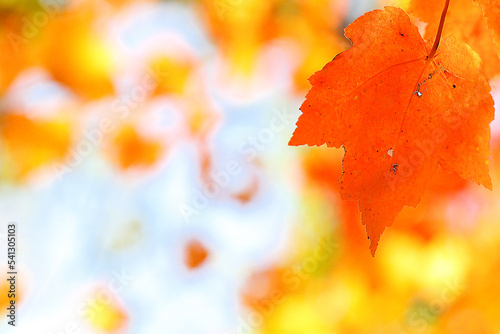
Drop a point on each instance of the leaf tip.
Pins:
(374, 232)
(373, 247)
(488, 185)
(293, 141)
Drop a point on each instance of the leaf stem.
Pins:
(439, 31)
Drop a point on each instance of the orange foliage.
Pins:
(240, 27)
(317, 25)
(76, 55)
(17, 53)
(398, 114)
(32, 143)
(132, 150)
(171, 74)
(195, 254)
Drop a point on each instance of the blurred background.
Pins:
(144, 159)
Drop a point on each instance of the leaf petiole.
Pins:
(431, 54)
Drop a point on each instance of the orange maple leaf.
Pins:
(399, 109)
